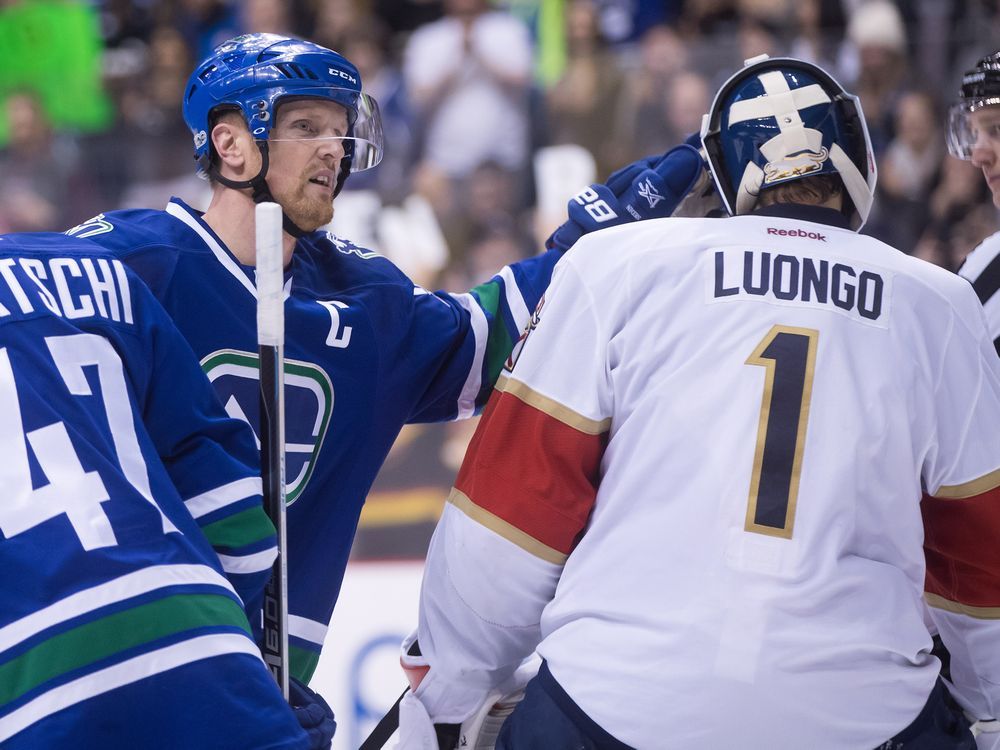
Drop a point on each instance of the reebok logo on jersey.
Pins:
(647, 191)
(797, 233)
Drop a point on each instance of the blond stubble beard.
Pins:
(308, 214)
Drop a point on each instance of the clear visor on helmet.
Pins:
(355, 122)
(969, 124)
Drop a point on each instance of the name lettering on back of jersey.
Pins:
(781, 278)
(71, 288)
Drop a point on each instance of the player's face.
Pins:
(986, 151)
(305, 149)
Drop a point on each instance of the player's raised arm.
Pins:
(499, 309)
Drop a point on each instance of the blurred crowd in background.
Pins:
(486, 107)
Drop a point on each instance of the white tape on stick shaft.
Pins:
(270, 276)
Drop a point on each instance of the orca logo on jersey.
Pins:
(349, 248)
(308, 406)
(91, 227)
(533, 322)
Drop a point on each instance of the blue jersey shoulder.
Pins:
(343, 265)
(126, 230)
(150, 241)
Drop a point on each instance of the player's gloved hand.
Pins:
(986, 732)
(479, 731)
(416, 732)
(650, 188)
(314, 714)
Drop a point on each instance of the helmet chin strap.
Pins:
(261, 192)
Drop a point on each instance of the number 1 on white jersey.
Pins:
(789, 356)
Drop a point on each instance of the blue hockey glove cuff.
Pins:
(314, 714)
(650, 188)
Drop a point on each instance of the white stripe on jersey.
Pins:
(220, 497)
(220, 254)
(124, 673)
(515, 300)
(481, 329)
(117, 590)
(254, 563)
(306, 629)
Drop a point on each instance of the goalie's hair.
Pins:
(813, 191)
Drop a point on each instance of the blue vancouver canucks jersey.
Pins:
(366, 350)
(120, 625)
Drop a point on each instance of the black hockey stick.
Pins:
(385, 727)
(270, 350)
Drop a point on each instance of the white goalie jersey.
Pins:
(705, 488)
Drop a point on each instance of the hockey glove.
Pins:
(479, 731)
(986, 732)
(314, 714)
(651, 188)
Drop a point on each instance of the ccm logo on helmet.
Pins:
(342, 74)
(797, 233)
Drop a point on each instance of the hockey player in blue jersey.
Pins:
(367, 351)
(120, 626)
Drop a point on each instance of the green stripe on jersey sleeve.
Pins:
(248, 526)
(302, 663)
(499, 342)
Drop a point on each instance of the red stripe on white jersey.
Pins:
(962, 546)
(546, 492)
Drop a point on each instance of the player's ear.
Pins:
(234, 148)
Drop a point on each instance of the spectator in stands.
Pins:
(908, 172)
(589, 88)
(638, 123)
(468, 76)
(39, 173)
(877, 38)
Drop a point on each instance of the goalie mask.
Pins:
(779, 120)
(980, 89)
(252, 74)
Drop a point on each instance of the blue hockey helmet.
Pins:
(782, 119)
(254, 73)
